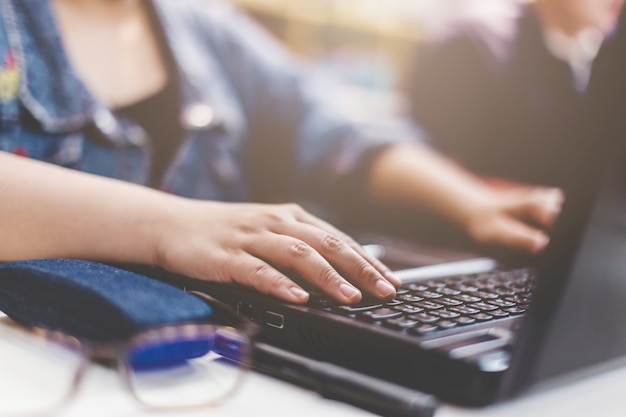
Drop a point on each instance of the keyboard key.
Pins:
(433, 285)
(409, 298)
(428, 294)
(445, 314)
(518, 299)
(423, 329)
(379, 314)
(465, 310)
(486, 295)
(485, 285)
(418, 287)
(501, 303)
(499, 314)
(515, 310)
(484, 306)
(449, 302)
(464, 321)
(424, 318)
(446, 324)
(482, 317)
(408, 309)
(448, 291)
(465, 288)
(400, 323)
(504, 292)
(455, 280)
(467, 298)
(428, 305)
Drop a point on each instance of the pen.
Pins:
(338, 383)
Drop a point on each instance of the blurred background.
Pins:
(494, 84)
(368, 45)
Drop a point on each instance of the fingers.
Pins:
(312, 267)
(517, 235)
(293, 253)
(519, 220)
(376, 263)
(253, 272)
(541, 205)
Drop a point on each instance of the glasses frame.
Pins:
(116, 353)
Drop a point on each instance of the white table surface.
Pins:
(102, 394)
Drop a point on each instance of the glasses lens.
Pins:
(187, 366)
(37, 374)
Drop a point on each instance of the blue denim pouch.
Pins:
(92, 300)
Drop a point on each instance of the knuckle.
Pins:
(300, 249)
(365, 271)
(293, 206)
(263, 272)
(331, 244)
(267, 279)
(250, 228)
(273, 217)
(329, 277)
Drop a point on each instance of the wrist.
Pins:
(158, 226)
(472, 204)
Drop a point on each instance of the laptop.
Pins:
(482, 337)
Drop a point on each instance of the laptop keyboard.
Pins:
(426, 307)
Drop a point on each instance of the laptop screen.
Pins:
(578, 317)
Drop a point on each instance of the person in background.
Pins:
(165, 132)
(497, 92)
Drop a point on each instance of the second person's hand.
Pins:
(515, 216)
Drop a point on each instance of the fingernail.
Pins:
(384, 289)
(349, 291)
(299, 293)
(540, 243)
(555, 200)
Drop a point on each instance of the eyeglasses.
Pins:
(183, 366)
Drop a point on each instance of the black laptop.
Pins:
(486, 336)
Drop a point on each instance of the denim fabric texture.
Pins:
(92, 300)
(258, 127)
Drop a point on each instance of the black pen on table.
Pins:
(334, 382)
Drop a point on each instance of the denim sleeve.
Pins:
(301, 141)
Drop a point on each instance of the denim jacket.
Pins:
(256, 126)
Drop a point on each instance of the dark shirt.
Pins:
(501, 107)
(158, 116)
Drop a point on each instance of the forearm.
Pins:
(414, 175)
(48, 211)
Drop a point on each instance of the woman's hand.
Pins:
(53, 212)
(253, 244)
